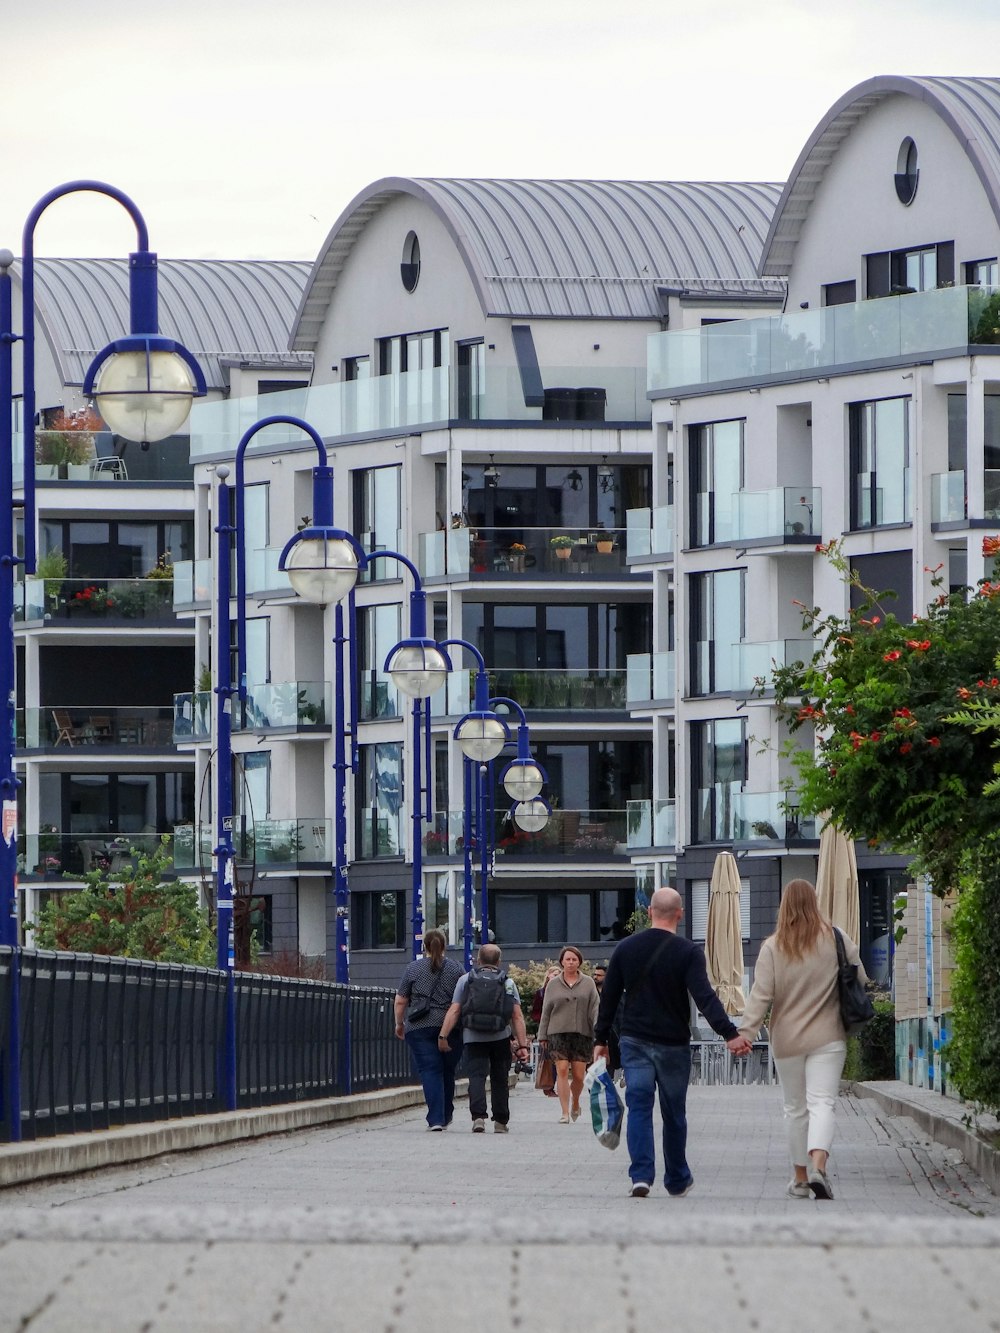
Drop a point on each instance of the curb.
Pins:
(983, 1159)
(21, 1163)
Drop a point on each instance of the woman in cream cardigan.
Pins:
(796, 978)
(566, 1029)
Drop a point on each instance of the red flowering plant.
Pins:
(884, 752)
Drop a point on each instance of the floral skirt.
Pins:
(571, 1046)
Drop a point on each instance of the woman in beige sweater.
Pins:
(796, 978)
(566, 1029)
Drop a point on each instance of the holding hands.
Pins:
(740, 1045)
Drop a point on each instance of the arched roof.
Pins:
(570, 249)
(220, 309)
(970, 108)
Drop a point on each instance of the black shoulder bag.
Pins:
(420, 1005)
(856, 1008)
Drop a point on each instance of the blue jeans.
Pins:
(436, 1071)
(650, 1068)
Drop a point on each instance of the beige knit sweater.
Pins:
(801, 994)
(569, 1008)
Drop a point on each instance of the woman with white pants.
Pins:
(796, 979)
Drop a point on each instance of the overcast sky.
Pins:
(242, 130)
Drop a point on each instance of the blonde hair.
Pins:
(434, 946)
(800, 922)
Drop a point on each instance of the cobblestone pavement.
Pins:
(376, 1225)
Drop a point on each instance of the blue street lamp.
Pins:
(142, 385)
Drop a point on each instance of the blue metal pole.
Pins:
(224, 859)
(417, 819)
(342, 769)
(485, 841)
(468, 824)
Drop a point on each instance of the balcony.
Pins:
(389, 404)
(54, 855)
(755, 663)
(650, 532)
(785, 514)
(517, 553)
(651, 824)
(287, 843)
(949, 497)
(583, 835)
(803, 344)
(293, 705)
(192, 717)
(762, 817)
(92, 729)
(579, 690)
(86, 603)
(193, 583)
(650, 678)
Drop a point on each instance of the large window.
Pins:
(412, 351)
(116, 549)
(550, 916)
(380, 801)
(471, 358)
(915, 270)
(718, 620)
(982, 273)
(574, 495)
(378, 920)
(880, 462)
(558, 637)
(718, 755)
(378, 514)
(716, 477)
(378, 630)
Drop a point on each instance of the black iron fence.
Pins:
(112, 1041)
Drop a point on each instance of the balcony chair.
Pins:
(108, 461)
(66, 732)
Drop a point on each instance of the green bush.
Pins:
(871, 1055)
(973, 1052)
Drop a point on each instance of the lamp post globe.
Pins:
(481, 737)
(531, 816)
(418, 669)
(523, 780)
(321, 569)
(144, 394)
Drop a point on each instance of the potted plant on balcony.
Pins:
(52, 567)
(435, 843)
(516, 556)
(605, 543)
(562, 545)
(64, 447)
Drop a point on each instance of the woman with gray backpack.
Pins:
(423, 997)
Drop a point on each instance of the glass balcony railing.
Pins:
(991, 493)
(60, 855)
(650, 531)
(420, 398)
(287, 705)
(651, 824)
(192, 716)
(511, 553)
(87, 602)
(32, 599)
(580, 690)
(263, 574)
(265, 842)
(948, 497)
(781, 513)
(801, 343)
(761, 817)
(192, 583)
(379, 698)
(595, 835)
(650, 676)
(383, 833)
(193, 846)
(94, 728)
(755, 663)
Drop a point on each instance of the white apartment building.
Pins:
(867, 409)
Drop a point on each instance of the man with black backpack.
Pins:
(487, 1003)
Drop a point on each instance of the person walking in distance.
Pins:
(796, 978)
(656, 971)
(566, 1032)
(487, 1005)
(423, 996)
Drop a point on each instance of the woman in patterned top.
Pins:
(423, 997)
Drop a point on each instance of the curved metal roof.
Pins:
(570, 249)
(220, 309)
(970, 108)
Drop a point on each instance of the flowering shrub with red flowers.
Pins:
(93, 598)
(873, 726)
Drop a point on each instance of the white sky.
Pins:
(243, 130)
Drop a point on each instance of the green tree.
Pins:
(135, 913)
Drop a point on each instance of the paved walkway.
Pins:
(377, 1225)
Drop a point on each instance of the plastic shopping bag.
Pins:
(607, 1110)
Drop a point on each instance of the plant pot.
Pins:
(563, 552)
(605, 548)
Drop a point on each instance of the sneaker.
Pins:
(819, 1184)
(500, 1129)
(680, 1193)
(798, 1189)
(479, 1126)
(640, 1188)
(564, 1120)
(435, 1129)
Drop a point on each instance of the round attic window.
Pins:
(907, 174)
(409, 269)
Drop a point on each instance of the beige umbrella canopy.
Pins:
(837, 882)
(724, 936)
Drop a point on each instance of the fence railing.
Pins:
(113, 1041)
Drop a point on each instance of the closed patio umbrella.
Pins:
(837, 882)
(724, 935)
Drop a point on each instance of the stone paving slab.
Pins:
(373, 1226)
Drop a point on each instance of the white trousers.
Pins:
(810, 1085)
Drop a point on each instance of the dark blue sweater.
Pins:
(656, 970)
